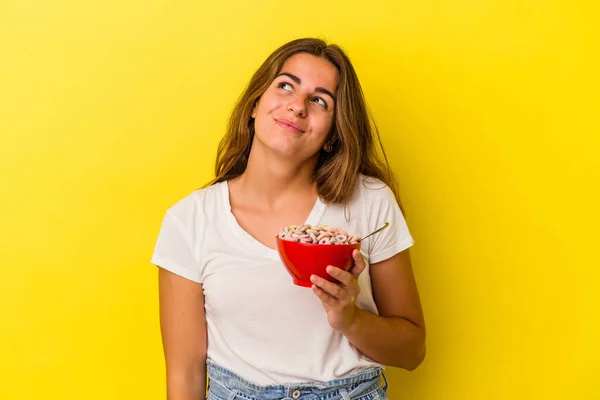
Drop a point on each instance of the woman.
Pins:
(299, 150)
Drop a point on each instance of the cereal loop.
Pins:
(320, 234)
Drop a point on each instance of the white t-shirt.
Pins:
(260, 325)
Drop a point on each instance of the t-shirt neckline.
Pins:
(248, 240)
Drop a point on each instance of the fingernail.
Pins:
(329, 269)
(314, 278)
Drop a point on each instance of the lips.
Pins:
(289, 125)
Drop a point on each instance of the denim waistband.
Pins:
(229, 385)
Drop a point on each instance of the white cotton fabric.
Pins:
(260, 325)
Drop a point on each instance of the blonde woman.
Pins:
(300, 148)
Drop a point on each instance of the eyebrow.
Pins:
(299, 81)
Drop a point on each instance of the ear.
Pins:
(253, 115)
(327, 146)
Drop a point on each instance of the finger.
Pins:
(332, 289)
(324, 297)
(343, 276)
(346, 279)
(359, 263)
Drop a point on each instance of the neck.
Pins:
(271, 179)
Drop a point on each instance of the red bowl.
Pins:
(305, 259)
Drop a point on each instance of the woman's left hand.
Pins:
(339, 298)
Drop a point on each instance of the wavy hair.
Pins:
(354, 134)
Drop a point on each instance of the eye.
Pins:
(320, 101)
(285, 86)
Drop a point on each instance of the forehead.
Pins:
(312, 71)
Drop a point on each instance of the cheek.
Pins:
(325, 124)
(267, 103)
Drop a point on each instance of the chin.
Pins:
(285, 152)
(281, 145)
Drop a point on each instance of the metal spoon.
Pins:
(374, 232)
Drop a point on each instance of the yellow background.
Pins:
(111, 111)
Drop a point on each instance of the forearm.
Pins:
(186, 385)
(392, 341)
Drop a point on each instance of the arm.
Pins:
(396, 336)
(183, 329)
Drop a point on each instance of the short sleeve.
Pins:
(173, 251)
(383, 207)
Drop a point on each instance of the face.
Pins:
(295, 114)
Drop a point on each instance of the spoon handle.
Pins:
(374, 232)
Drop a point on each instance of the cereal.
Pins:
(319, 234)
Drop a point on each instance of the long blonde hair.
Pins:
(354, 131)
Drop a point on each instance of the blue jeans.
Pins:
(365, 385)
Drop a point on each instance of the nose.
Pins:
(297, 106)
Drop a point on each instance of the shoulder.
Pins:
(373, 191)
(199, 203)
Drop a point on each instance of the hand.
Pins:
(339, 298)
